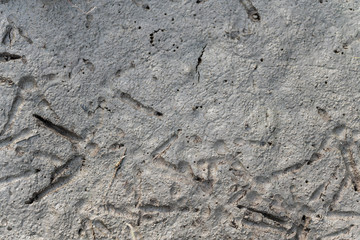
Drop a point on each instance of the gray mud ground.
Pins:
(179, 119)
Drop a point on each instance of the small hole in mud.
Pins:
(325, 82)
(197, 178)
(256, 16)
(261, 59)
(159, 114)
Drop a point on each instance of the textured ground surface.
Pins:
(179, 119)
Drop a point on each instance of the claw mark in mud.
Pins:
(251, 10)
(118, 165)
(9, 140)
(293, 168)
(289, 169)
(14, 177)
(153, 208)
(262, 225)
(9, 35)
(316, 156)
(283, 224)
(117, 168)
(237, 196)
(317, 192)
(53, 157)
(354, 171)
(199, 62)
(15, 106)
(59, 177)
(200, 1)
(265, 214)
(111, 210)
(163, 147)
(6, 57)
(350, 165)
(58, 129)
(126, 98)
(23, 33)
(337, 232)
(337, 194)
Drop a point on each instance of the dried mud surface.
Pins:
(179, 119)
